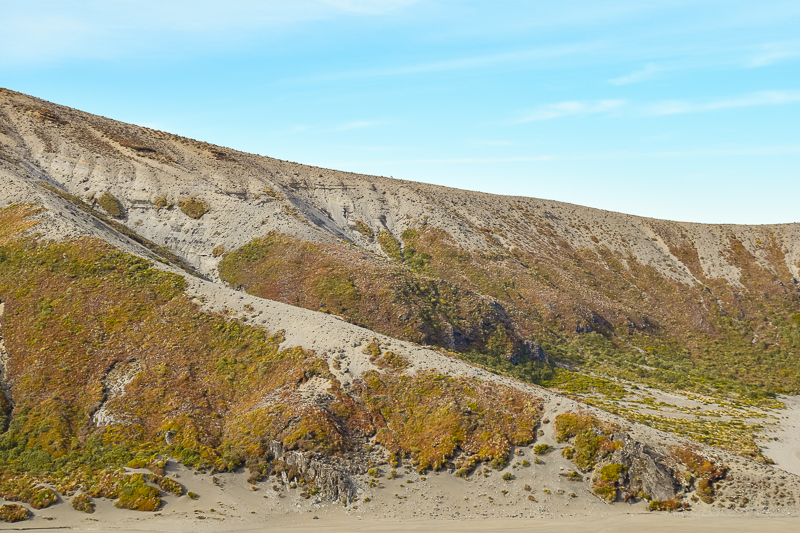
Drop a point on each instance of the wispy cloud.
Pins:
(763, 98)
(564, 109)
(647, 73)
(772, 53)
(658, 108)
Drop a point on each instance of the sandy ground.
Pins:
(600, 524)
(784, 449)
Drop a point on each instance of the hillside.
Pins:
(163, 300)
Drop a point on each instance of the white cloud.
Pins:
(772, 53)
(675, 107)
(647, 73)
(564, 109)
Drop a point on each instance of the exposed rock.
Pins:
(331, 481)
(645, 469)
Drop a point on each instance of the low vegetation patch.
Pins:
(110, 205)
(704, 470)
(363, 229)
(82, 502)
(588, 436)
(605, 481)
(13, 512)
(135, 494)
(193, 207)
(390, 246)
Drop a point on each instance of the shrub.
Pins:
(364, 229)
(82, 502)
(590, 438)
(568, 452)
(705, 491)
(170, 485)
(390, 246)
(192, 495)
(508, 476)
(193, 207)
(218, 251)
(13, 512)
(136, 495)
(498, 463)
(272, 193)
(110, 204)
(667, 505)
(43, 498)
(542, 449)
(605, 485)
(162, 202)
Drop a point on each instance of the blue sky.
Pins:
(686, 110)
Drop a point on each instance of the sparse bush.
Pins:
(170, 485)
(542, 449)
(13, 512)
(82, 502)
(136, 495)
(43, 498)
(161, 202)
(193, 207)
(390, 246)
(605, 484)
(110, 204)
(568, 452)
(667, 505)
(218, 250)
(364, 229)
(498, 463)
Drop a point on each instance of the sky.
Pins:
(677, 109)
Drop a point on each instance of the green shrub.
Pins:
(193, 207)
(170, 485)
(667, 505)
(568, 452)
(43, 498)
(508, 476)
(390, 246)
(498, 463)
(136, 495)
(542, 449)
(13, 512)
(110, 204)
(82, 502)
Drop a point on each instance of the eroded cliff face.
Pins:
(111, 362)
(507, 279)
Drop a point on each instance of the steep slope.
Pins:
(120, 344)
(707, 308)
